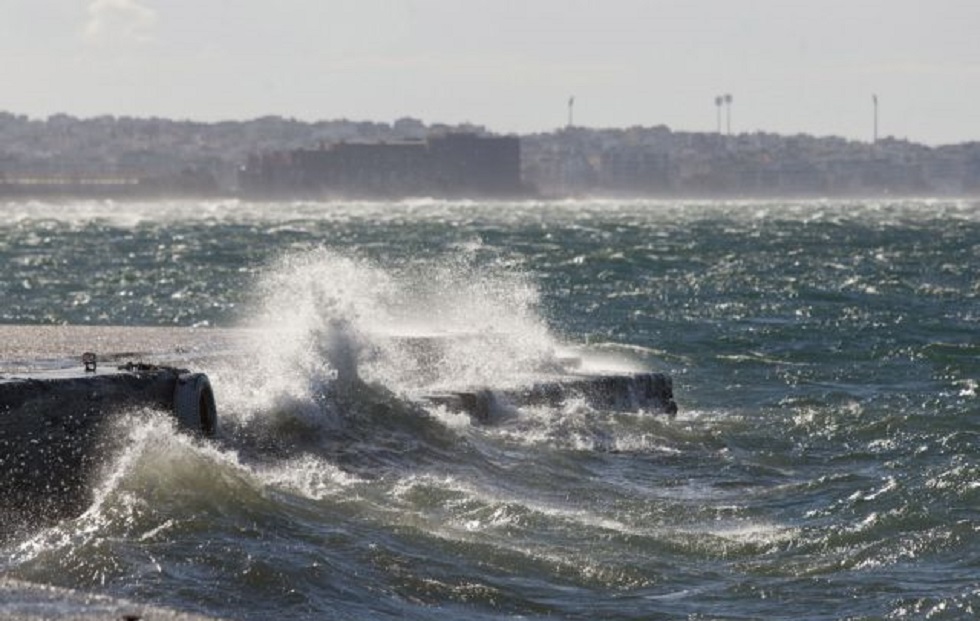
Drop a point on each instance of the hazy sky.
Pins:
(792, 66)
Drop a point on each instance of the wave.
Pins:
(332, 464)
(323, 324)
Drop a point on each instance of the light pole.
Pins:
(874, 99)
(718, 102)
(728, 106)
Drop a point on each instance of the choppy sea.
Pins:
(824, 463)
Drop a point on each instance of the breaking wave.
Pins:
(823, 461)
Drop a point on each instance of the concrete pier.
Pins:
(29, 349)
(55, 416)
(56, 424)
(652, 392)
(54, 431)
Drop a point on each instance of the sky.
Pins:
(791, 66)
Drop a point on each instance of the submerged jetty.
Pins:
(628, 392)
(58, 402)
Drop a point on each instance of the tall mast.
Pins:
(874, 99)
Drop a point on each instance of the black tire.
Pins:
(194, 404)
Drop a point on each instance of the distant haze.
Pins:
(791, 66)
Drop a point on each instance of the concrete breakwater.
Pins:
(55, 429)
(56, 416)
(647, 391)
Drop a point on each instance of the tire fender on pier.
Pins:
(194, 404)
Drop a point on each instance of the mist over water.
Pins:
(824, 462)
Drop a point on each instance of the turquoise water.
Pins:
(823, 465)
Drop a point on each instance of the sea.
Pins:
(824, 462)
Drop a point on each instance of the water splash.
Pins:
(323, 323)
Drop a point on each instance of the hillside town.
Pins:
(120, 157)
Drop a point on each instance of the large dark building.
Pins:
(448, 165)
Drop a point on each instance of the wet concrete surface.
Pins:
(26, 349)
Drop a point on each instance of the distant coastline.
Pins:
(132, 158)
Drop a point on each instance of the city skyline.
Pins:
(791, 68)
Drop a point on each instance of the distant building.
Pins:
(635, 169)
(454, 164)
